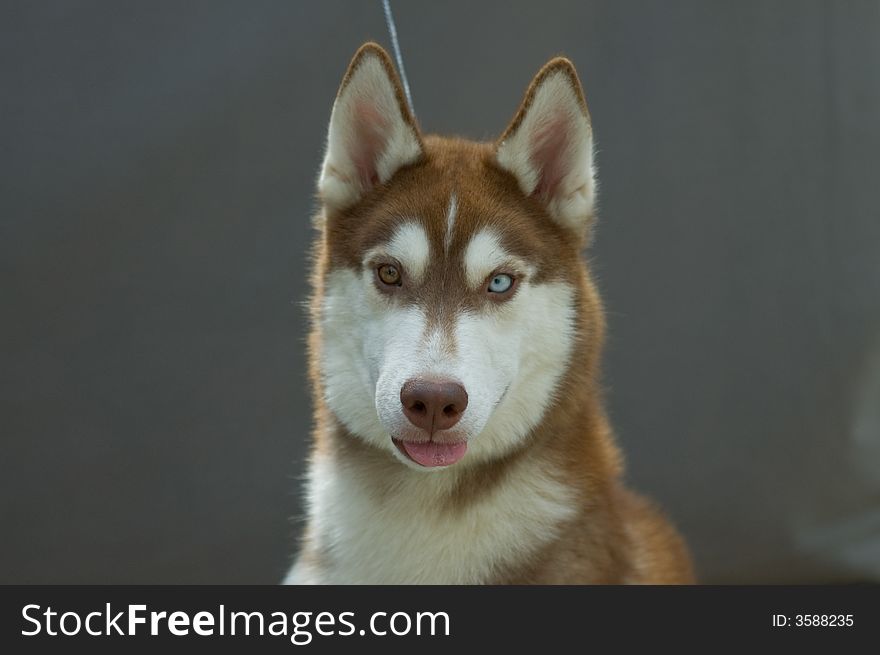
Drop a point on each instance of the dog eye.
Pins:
(389, 274)
(500, 283)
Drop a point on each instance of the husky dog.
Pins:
(460, 436)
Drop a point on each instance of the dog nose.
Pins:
(433, 404)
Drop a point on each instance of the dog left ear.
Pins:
(372, 133)
(548, 146)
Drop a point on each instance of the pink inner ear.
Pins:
(369, 140)
(549, 154)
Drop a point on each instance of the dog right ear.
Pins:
(372, 133)
(548, 146)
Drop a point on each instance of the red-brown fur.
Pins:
(616, 536)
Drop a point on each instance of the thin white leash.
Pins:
(392, 31)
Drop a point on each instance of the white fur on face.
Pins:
(530, 342)
(509, 358)
(484, 255)
(410, 247)
(450, 221)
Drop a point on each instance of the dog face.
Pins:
(449, 271)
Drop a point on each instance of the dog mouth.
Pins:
(432, 454)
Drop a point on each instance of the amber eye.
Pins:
(389, 274)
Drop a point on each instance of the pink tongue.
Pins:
(435, 454)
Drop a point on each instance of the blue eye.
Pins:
(500, 283)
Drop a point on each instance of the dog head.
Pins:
(449, 271)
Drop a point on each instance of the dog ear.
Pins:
(372, 133)
(548, 146)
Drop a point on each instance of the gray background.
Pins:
(158, 161)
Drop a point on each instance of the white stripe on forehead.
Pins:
(484, 254)
(450, 221)
(409, 245)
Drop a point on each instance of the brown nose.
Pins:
(433, 404)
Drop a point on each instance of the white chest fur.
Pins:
(412, 537)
